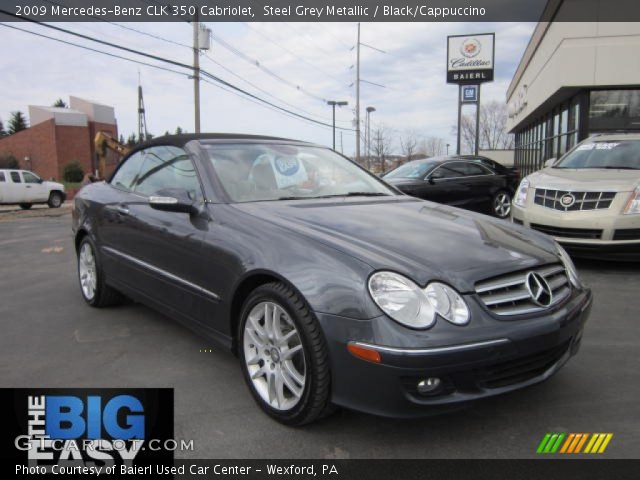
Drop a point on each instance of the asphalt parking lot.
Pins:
(50, 338)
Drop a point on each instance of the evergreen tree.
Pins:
(2, 131)
(17, 122)
(60, 104)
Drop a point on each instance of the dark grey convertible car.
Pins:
(332, 287)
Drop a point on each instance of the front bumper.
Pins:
(587, 231)
(488, 357)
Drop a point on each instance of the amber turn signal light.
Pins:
(364, 353)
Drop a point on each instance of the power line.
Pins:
(95, 50)
(189, 67)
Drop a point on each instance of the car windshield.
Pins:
(614, 154)
(258, 172)
(411, 170)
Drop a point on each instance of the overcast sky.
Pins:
(315, 56)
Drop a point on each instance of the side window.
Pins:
(15, 177)
(168, 167)
(127, 175)
(30, 177)
(2, 178)
(474, 169)
(450, 170)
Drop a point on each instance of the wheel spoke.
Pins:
(254, 360)
(279, 389)
(284, 340)
(254, 337)
(260, 372)
(271, 386)
(286, 355)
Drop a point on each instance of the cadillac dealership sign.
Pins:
(470, 58)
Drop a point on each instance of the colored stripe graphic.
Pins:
(573, 443)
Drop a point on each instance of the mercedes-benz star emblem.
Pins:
(539, 289)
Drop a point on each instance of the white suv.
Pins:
(25, 188)
(589, 199)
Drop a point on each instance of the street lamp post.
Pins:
(333, 104)
(447, 149)
(367, 141)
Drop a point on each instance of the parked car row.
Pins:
(24, 188)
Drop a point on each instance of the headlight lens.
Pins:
(408, 304)
(633, 205)
(521, 194)
(448, 303)
(401, 299)
(574, 278)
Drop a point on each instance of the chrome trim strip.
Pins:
(434, 350)
(164, 273)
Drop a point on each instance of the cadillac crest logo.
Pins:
(470, 48)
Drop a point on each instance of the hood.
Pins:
(599, 179)
(422, 240)
(54, 185)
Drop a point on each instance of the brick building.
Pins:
(58, 136)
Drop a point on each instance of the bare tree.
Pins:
(409, 144)
(493, 129)
(381, 144)
(433, 146)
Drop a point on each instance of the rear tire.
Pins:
(501, 204)
(285, 362)
(26, 206)
(55, 200)
(91, 277)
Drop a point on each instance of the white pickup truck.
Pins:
(24, 188)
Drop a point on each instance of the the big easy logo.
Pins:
(108, 426)
(470, 58)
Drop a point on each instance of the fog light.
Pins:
(429, 385)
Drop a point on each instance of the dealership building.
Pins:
(59, 136)
(574, 80)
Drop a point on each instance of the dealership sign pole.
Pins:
(470, 62)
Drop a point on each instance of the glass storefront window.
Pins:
(614, 110)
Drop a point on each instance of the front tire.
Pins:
(25, 206)
(501, 204)
(91, 277)
(284, 356)
(55, 200)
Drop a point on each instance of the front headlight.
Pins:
(448, 303)
(401, 299)
(521, 194)
(572, 273)
(633, 205)
(408, 304)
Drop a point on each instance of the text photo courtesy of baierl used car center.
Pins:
(320, 238)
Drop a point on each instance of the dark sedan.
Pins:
(457, 181)
(332, 288)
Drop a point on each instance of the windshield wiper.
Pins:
(356, 194)
(618, 167)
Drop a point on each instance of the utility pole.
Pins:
(368, 135)
(358, 97)
(196, 72)
(333, 104)
(341, 145)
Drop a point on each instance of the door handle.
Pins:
(123, 210)
(27, 186)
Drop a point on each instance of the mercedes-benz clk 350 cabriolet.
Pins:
(332, 287)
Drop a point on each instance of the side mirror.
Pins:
(40, 180)
(173, 200)
(550, 162)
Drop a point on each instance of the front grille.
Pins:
(520, 369)
(509, 295)
(627, 234)
(592, 233)
(581, 200)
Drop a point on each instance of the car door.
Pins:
(14, 189)
(445, 184)
(35, 190)
(165, 248)
(479, 182)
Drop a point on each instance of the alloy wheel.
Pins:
(502, 205)
(87, 271)
(274, 356)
